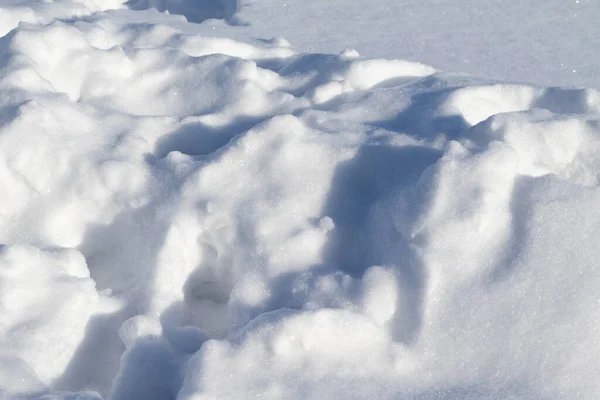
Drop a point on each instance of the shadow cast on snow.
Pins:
(194, 11)
(122, 258)
(198, 139)
(417, 120)
(365, 236)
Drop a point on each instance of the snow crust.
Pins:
(193, 217)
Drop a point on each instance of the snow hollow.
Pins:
(193, 208)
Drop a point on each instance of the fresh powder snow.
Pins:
(235, 199)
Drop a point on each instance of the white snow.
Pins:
(223, 200)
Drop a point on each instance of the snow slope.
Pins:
(185, 216)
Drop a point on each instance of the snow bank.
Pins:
(195, 218)
(47, 298)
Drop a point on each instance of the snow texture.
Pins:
(192, 216)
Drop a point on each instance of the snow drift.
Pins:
(188, 217)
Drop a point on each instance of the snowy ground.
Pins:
(542, 42)
(202, 210)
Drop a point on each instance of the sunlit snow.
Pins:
(220, 199)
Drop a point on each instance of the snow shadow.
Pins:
(362, 204)
(150, 370)
(122, 259)
(374, 174)
(96, 360)
(417, 118)
(564, 101)
(520, 209)
(193, 10)
(492, 391)
(198, 139)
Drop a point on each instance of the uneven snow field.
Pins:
(186, 217)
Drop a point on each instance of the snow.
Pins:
(222, 200)
(541, 42)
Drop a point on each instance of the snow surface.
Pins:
(541, 42)
(187, 215)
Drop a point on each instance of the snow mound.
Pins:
(342, 355)
(188, 217)
(47, 298)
